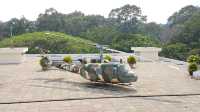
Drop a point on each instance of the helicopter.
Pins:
(102, 71)
(107, 72)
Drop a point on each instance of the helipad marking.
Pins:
(96, 98)
(174, 67)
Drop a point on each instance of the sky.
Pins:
(155, 10)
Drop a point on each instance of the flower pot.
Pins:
(132, 66)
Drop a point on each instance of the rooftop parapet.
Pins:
(12, 55)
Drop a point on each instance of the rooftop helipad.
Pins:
(162, 86)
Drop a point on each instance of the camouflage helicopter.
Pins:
(106, 72)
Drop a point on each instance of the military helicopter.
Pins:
(106, 72)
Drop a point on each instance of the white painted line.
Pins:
(174, 67)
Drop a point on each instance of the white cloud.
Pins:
(156, 10)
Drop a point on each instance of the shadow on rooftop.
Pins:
(102, 88)
(50, 69)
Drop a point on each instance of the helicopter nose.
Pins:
(134, 78)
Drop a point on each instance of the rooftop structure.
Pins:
(12, 55)
(146, 53)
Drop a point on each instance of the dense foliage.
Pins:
(178, 51)
(125, 27)
(124, 42)
(54, 42)
(184, 29)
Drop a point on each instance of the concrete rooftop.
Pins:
(162, 87)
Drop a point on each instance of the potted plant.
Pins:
(67, 59)
(192, 67)
(107, 58)
(193, 59)
(131, 61)
(45, 63)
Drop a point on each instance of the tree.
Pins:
(128, 17)
(176, 22)
(176, 51)
(124, 42)
(127, 13)
(19, 26)
(51, 20)
(183, 15)
(190, 32)
(102, 35)
(183, 30)
(4, 30)
(152, 30)
(76, 23)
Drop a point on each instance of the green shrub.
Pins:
(67, 59)
(44, 63)
(56, 43)
(192, 67)
(175, 51)
(108, 57)
(131, 60)
(193, 59)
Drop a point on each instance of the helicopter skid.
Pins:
(119, 84)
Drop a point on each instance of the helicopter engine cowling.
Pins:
(108, 72)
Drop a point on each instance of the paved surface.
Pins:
(50, 91)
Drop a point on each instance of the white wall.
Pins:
(12, 55)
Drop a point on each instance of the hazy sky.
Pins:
(156, 10)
